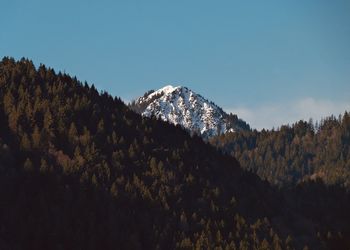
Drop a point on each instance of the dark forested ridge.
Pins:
(295, 153)
(80, 170)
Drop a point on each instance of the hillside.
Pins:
(296, 153)
(80, 170)
(182, 106)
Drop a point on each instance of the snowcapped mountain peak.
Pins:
(160, 92)
(180, 105)
(164, 91)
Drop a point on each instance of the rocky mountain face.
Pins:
(180, 105)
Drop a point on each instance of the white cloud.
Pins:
(277, 114)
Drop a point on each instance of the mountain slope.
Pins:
(292, 154)
(80, 170)
(180, 105)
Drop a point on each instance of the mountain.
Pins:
(81, 170)
(182, 106)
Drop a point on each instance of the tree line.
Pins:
(81, 170)
(292, 154)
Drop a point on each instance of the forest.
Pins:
(80, 170)
(296, 153)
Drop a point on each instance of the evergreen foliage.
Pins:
(80, 170)
(292, 154)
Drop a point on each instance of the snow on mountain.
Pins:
(180, 105)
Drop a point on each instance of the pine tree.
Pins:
(48, 122)
(25, 142)
(36, 138)
(28, 165)
(43, 166)
(72, 134)
(114, 190)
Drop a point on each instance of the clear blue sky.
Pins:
(261, 59)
